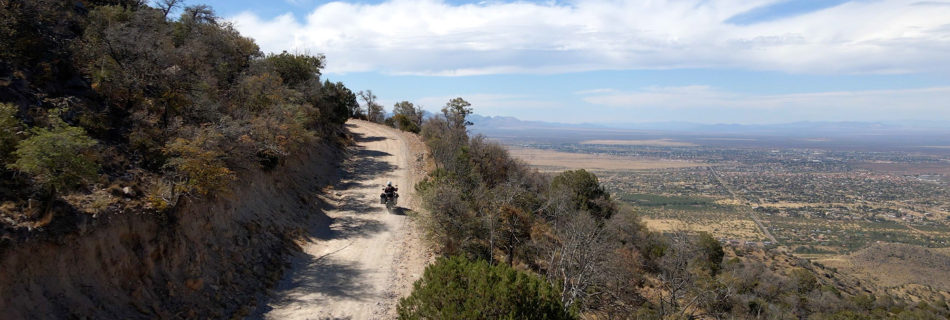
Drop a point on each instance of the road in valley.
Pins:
(755, 218)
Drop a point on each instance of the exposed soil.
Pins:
(205, 259)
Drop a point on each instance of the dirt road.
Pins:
(359, 265)
(755, 218)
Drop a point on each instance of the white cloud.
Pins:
(491, 104)
(722, 106)
(431, 37)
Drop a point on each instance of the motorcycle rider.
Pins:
(390, 190)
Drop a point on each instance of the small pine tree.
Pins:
(456, 288)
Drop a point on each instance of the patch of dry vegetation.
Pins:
(549, 160)
(906, 168)
(893, 265)
(645, 143)
(728, 229)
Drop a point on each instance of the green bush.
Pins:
(58, 158)
(712, 253)
(296, 69)
(457, 288)
(9, 130)
(404, 123)
(586, 192)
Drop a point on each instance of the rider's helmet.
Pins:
(389, 183)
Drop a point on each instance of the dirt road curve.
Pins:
(367, 258)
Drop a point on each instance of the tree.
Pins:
(711, 253)
(804, 280)
(168, 5)
(456, 288)
(338, 103)
(199, 14)
(452, 224)
(576, 255)
(374, 111)
(515, 229)
(296, 69)
(586, 192)
(407, 117)
(58, 158)
(456, 111)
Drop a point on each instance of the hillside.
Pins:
(902, 270)
(562, 225)
(154, 166)
(110, 106)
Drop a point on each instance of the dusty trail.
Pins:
(367, 258)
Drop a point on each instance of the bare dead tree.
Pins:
(577, 256)
(168, 5)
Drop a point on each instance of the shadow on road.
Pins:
(399, 211)
(347, 227)
(315, 279)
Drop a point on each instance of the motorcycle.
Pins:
(389, 198)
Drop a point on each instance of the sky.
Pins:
(619, 61)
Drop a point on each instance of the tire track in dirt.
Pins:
(359, 265)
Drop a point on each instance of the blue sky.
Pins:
(619, 61)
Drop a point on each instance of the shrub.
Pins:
(338, 103)
(296, 69)
(407, 116)
(403, 123)
(9, 131)
(711, 253)
(586, 192)
(58, 158)
(457, 288)
(201, 169)
(804, 280)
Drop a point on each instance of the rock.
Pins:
(195, 284)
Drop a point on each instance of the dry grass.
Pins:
(893, 265)
(556, 160)
(730, 229)
(646, 143)
(906, 168)
(797, 205)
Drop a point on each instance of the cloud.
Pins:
(781, 9)
(595, 91)
(432, 37)
(722, 106)
(491, 103)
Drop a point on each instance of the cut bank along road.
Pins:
(359, 265)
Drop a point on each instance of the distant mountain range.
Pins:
(487, 124)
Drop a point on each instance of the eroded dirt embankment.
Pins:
(209, 259)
